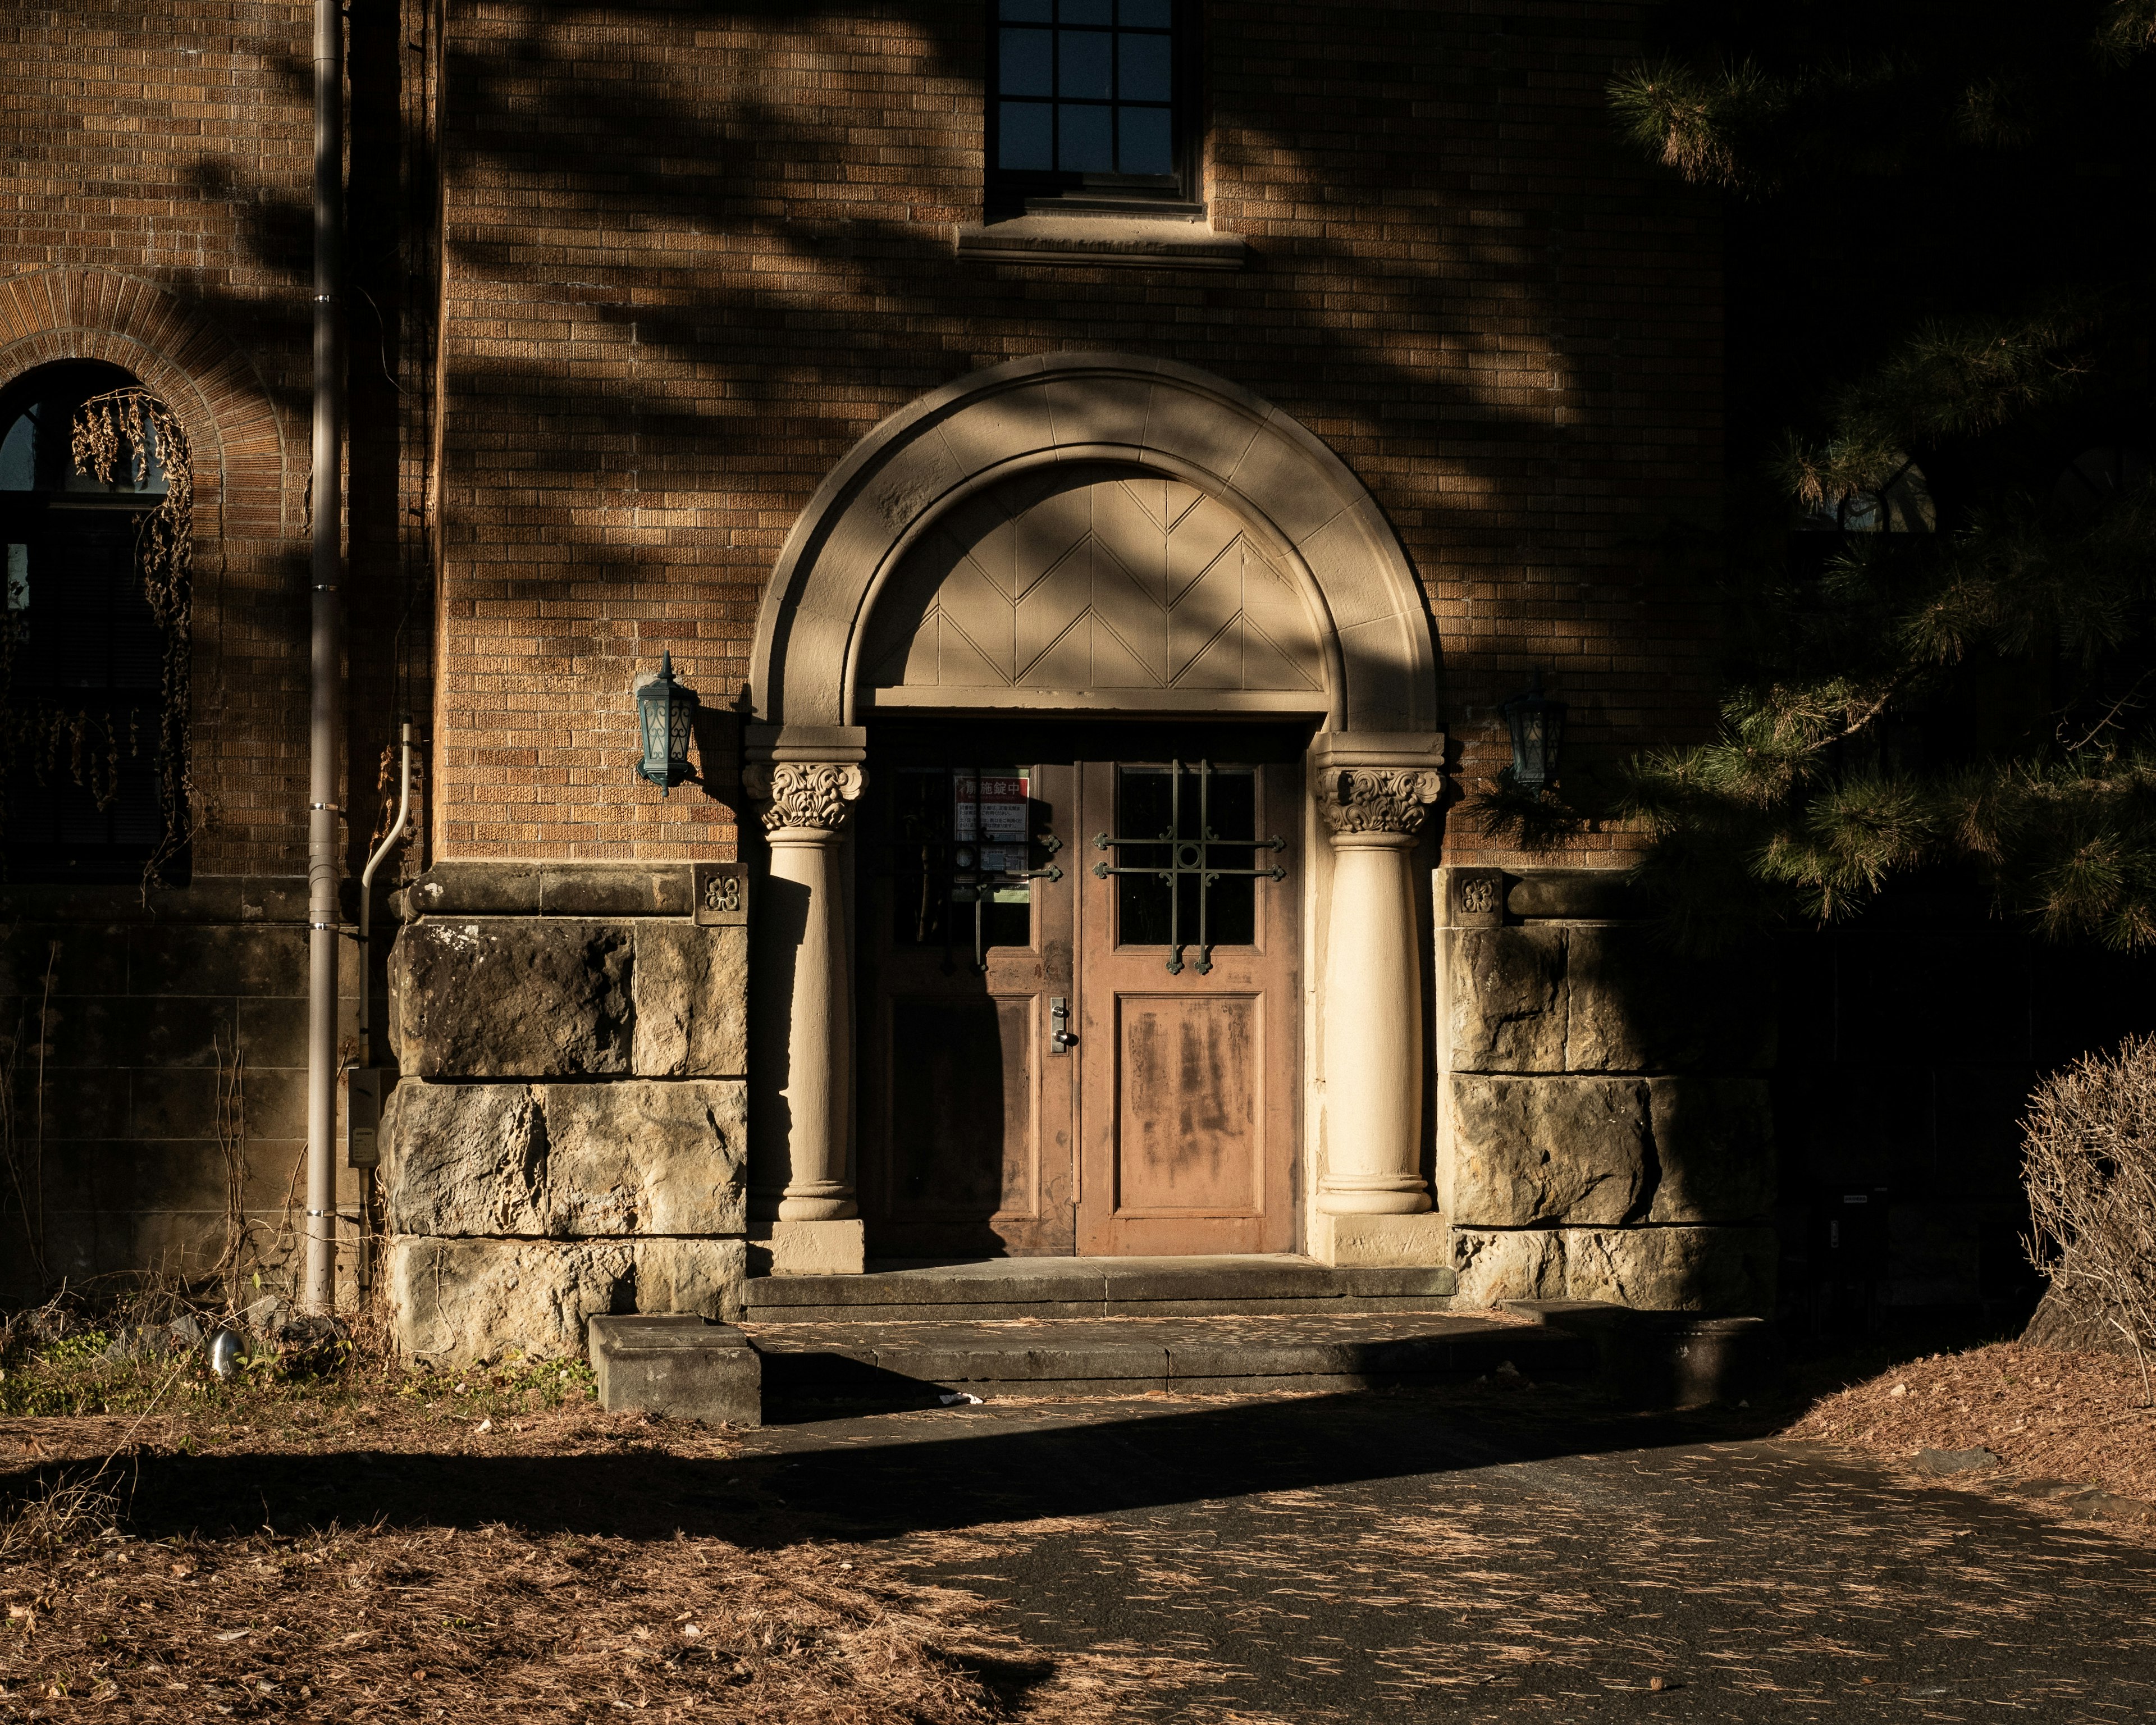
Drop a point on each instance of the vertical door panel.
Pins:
(965, 1126)
(1190, 1119)
(1190, 1069)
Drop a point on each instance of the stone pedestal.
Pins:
(1372, 1007)
(789, 1248)
(1364, 1241)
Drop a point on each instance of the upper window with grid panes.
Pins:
(1090, 102)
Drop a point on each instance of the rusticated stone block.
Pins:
(537, 997)
(520, 997)
(456, 1302)
(692, 1004)
(1633, 1005)
(1715, 1139)
(1533, 1150)
(1508, 993)
(1719, 1270)
(567, 1160)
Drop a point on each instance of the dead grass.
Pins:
(386, 1622)
(380, 1624)
(157, 1561)
(2079, 1417)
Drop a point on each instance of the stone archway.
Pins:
(1106, 407)
(1368, 681)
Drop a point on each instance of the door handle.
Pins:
(1060, 1039)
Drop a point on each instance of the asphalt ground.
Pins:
(1418, 1555)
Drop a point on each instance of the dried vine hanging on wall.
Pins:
(121, 431)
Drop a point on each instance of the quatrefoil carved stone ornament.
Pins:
(1478, 898)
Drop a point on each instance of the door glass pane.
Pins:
(1193, 810)
(960, 850)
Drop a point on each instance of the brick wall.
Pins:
(154, 212)
(694, 256)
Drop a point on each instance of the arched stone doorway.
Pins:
(1103, 540)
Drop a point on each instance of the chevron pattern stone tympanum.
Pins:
(1113, 580)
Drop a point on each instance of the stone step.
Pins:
(1094, 1287)
(884, 1360)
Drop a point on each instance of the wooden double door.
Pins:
(1081, 1026)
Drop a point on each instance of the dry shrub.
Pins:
(71, 1510)
(2088, 1161)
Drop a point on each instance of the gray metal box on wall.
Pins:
(363, 1117)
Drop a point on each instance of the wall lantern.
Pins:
(1537, 725)
(663, 708)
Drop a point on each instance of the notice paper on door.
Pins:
(991, 811)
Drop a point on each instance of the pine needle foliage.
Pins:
(1940, 563)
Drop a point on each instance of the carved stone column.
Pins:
(1373, 1030)
(802, 1066)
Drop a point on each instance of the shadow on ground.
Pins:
(889, 1474)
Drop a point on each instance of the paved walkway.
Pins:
(1410, 1556)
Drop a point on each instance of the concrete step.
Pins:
(1094, 1287)
(878, 1360)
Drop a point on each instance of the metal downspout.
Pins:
(326, 708)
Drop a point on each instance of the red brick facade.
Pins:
(693, 256)
(153, 214)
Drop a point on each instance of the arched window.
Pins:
(81, 654)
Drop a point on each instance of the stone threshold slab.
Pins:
(1128, 1356)
(954, 1311)
(1109, 1287)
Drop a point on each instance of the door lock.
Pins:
(1060, 1039)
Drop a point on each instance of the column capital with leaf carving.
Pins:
(1377, 786)
(810, 775)
(818, 794)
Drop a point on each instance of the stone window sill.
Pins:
(1090, 241)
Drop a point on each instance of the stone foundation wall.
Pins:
(156, 1058)
(569, 1138)
(1605, 1126)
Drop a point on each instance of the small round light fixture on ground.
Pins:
(663, 710)
(1537, 727)
(227, 1349)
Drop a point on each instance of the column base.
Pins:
(1378, 1242)
(787, 1248)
